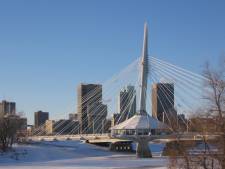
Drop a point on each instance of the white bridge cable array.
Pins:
(109, 91)
(170, 77)
(164, 76)
(193, 75)
(188, 87)
(178, 76)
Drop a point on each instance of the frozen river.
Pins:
(75, 155)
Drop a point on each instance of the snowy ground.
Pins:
(75, 155)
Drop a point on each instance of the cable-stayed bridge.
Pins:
(161, 92)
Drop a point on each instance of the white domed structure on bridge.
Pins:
(138, 125)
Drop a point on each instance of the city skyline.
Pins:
(41, 60)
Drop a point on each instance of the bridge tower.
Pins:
(144, 72)
(137, 128)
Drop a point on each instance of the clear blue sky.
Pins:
(48, 47)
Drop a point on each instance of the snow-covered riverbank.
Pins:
(76, 155)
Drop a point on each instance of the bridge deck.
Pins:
(101, 138)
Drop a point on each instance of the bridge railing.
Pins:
(66, 137)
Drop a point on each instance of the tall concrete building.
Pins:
(163, 102)
(87, 94)
(40, 117)
(126, 103)
(96, 113)
(7, 108)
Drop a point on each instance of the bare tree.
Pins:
(8, 130)
(208, 121)
(216, 109)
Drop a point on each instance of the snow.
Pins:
(76, 155)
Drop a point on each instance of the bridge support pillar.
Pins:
(143, 150)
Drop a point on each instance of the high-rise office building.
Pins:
(163, 102)
(96, 113)
(126, 103)
(40, 117)
(7, 108)
(87, 94)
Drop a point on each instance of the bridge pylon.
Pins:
(137, 128)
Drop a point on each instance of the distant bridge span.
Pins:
(106, 137)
